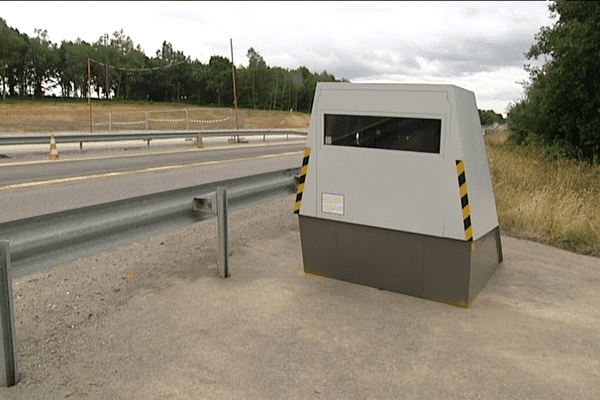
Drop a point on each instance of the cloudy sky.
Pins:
(475, 45)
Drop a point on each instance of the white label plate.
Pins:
(332, 203)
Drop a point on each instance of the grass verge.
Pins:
(57, 115)
(548, 201)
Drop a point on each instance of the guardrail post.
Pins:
(187, 120)
(146, 116)
(8, 351)
(223, 217)
(217, 204)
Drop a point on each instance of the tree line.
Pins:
(560, 111)
(35, 66)
(489, 117)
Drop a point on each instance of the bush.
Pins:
(561, 112)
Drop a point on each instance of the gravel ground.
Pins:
(67, 343)
(151, 320)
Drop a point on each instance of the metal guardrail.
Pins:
(139, 135)
(36, 243)
(43, 241)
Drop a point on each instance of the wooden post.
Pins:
(89, 84)
(237, 122)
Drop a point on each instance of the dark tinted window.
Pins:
(408, 134)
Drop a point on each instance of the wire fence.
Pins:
(494, 128)
(180, 119)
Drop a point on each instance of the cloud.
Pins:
(480, 44)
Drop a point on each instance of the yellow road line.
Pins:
(139, 171)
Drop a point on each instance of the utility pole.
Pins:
(89, 95)
(237, 122)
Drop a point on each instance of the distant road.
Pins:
(37, 188)
(12, 174)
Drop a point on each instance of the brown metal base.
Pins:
(444, 270)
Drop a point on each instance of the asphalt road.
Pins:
(36, 171)
(37, 188)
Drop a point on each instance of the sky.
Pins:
(476, 45)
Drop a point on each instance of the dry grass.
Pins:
(21, 117)
(553, 202)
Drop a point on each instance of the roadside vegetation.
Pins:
(546, 167)
(114, 67)
(551, 200)
(560, 112)
(63, 115)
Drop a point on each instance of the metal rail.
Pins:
(36, 243)
(44, 241)
(139, 135)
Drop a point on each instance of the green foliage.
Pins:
(561, 112)
(13, 59)
(121, 70)
(489, 117)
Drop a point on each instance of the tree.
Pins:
(219, 80)
(120, 69)
(72, 67)
(175, 72)
(560, 111)
(5, 33)
(198, 82)
(126, 56)
(13, 59)
(258, 71)
(307, 89)
(489, 117)
(42, 55)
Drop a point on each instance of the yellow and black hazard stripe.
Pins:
(464, 200)
(302, 179)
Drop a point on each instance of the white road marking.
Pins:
(21, 163)
(16, 164)
(139, 171)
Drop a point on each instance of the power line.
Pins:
(137, 69)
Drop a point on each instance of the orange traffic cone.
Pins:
(200, 144)
(53, 149)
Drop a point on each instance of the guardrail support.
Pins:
(8, 351)
(223, 217)
(218, 204)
